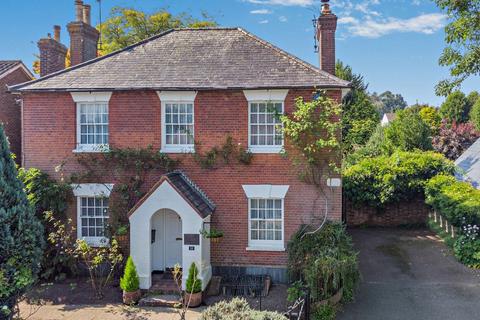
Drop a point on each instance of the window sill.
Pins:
(265, 248)
(178, 149)
(96, 242)
(100, 148)
(275, 149)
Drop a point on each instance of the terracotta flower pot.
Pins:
(194, 298)
(131, 297)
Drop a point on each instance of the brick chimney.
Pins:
(52, 53)
(326, 27)
(83, 37)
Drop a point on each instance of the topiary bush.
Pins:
(235, 309)
(387, 179)
(129, 282)
(324, 261)
(193, 284)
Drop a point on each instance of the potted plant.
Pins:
(193, 288)
(130, 284)
(214, 235)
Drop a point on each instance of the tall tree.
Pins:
(455, 108)
(462, 37)
(126, 26)
(359, 116)
(21, 235)
(389, 102)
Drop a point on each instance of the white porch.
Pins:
(165, 230)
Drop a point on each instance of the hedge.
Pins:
(387, 179)
(459, 203)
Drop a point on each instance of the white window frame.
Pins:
(176, 97)
(96, 190)
(90, 98)
(266, 192)
(264, 96)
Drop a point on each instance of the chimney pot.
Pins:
(86, 14)
(56, 33)
(326, 7)
(78, 10)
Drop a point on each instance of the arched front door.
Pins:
(166, 238)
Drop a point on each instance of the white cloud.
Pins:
(282, 19)
(261, 11)
(263, 21)
(370, 28)
(302, 3)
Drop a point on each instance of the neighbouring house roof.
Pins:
(390, 116)
(190, 59)
(6, 66)
(189, 191)
(469, 165)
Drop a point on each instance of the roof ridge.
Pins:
(291, 56)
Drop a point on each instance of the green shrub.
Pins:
(475, 114)
(129, 282)
(408, 132)
(467, 249)
(235, 309)
(325, 261)
(193, 284)
(325, 312)
(21, 235)
(388, 179)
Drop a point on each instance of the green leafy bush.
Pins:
(388, 179)
(129, 282)
(325, 261)
(235, 309)
(459, 203)
(325, 312)
(193, 284)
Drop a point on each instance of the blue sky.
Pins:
(395, 44)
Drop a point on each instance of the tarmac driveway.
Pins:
(409, 275)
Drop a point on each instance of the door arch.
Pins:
(166, 240)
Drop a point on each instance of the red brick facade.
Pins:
(135, 121)
(10, 111)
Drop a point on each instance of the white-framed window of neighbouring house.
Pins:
(178, 121)
(266, 216)
(93, 212)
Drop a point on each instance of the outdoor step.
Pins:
(164, 300)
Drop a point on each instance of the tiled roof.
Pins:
(191, 59)
(6, 65)
(469, 165)
(187, 188)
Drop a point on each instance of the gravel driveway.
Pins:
(409, 275)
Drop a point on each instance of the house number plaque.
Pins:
(191, 239)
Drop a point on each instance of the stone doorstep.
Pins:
(164, 300)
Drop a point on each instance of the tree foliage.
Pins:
(359, 116)
(21, 235)
(388, 102)
(407, 132)
(475, 115)
(453, 139)
(431, 117)
(126, 26)
(455, 108)
(462, 51)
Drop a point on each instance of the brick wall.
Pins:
(403, 213)
(135, 122)
(10, 112)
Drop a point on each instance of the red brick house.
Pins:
(168, 91)
(12, 72)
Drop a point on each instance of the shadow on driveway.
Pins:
(410, 275)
